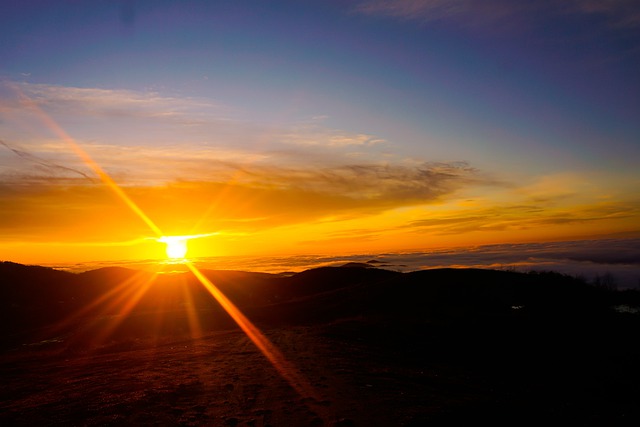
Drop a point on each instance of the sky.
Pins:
(315, 127)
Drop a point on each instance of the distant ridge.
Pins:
(8, 268)
(357, 265)
(33, 297)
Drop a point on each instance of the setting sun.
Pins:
(176, 246)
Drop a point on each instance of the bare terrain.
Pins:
(370, 348)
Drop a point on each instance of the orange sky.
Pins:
(66, 200)
(89, 222)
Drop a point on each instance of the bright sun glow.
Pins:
(176, 247)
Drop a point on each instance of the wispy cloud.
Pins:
(48, 166)
(619, 13)
(310, 135)
(471, 11)
(432, 10)
(372, 182)
(111, 102)
(506, 13)
(522, 217)
(259, 198)
(138, 118)
(285, 174)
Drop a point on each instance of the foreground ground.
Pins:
(222, 379)
(439, 348)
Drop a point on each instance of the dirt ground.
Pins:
(220, 379)
(358, 355)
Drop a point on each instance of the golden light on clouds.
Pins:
(301, 188)
(87, 223)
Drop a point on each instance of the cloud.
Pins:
(313, 135)
(507, 14)
(109, 102)
(619, 13)
(282, 174)
(433, 10)
(372, 182)
(468, 13)
(143, 138)
(47, 165)
(199, 172)
(258, 198)
(509, 217)
(138, 118)
(584, 258)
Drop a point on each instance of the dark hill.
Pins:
(440, 293)
(36, 297)
(357, 264)
(11, 272)
(108, 274)
(323, 279)
(33, 296)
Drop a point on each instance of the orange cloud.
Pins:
(260, 197)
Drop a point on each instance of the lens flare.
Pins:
(177, 245)
(176, 248)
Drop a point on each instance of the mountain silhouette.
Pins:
(35, 297)
(478, 344)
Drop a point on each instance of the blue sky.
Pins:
(567, 77)
(538, 100)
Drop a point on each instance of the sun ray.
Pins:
(124, 303)
(295, 379)
(104, 177)
(112, 293)
(195, 329)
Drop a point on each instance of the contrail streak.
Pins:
(42, 162)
